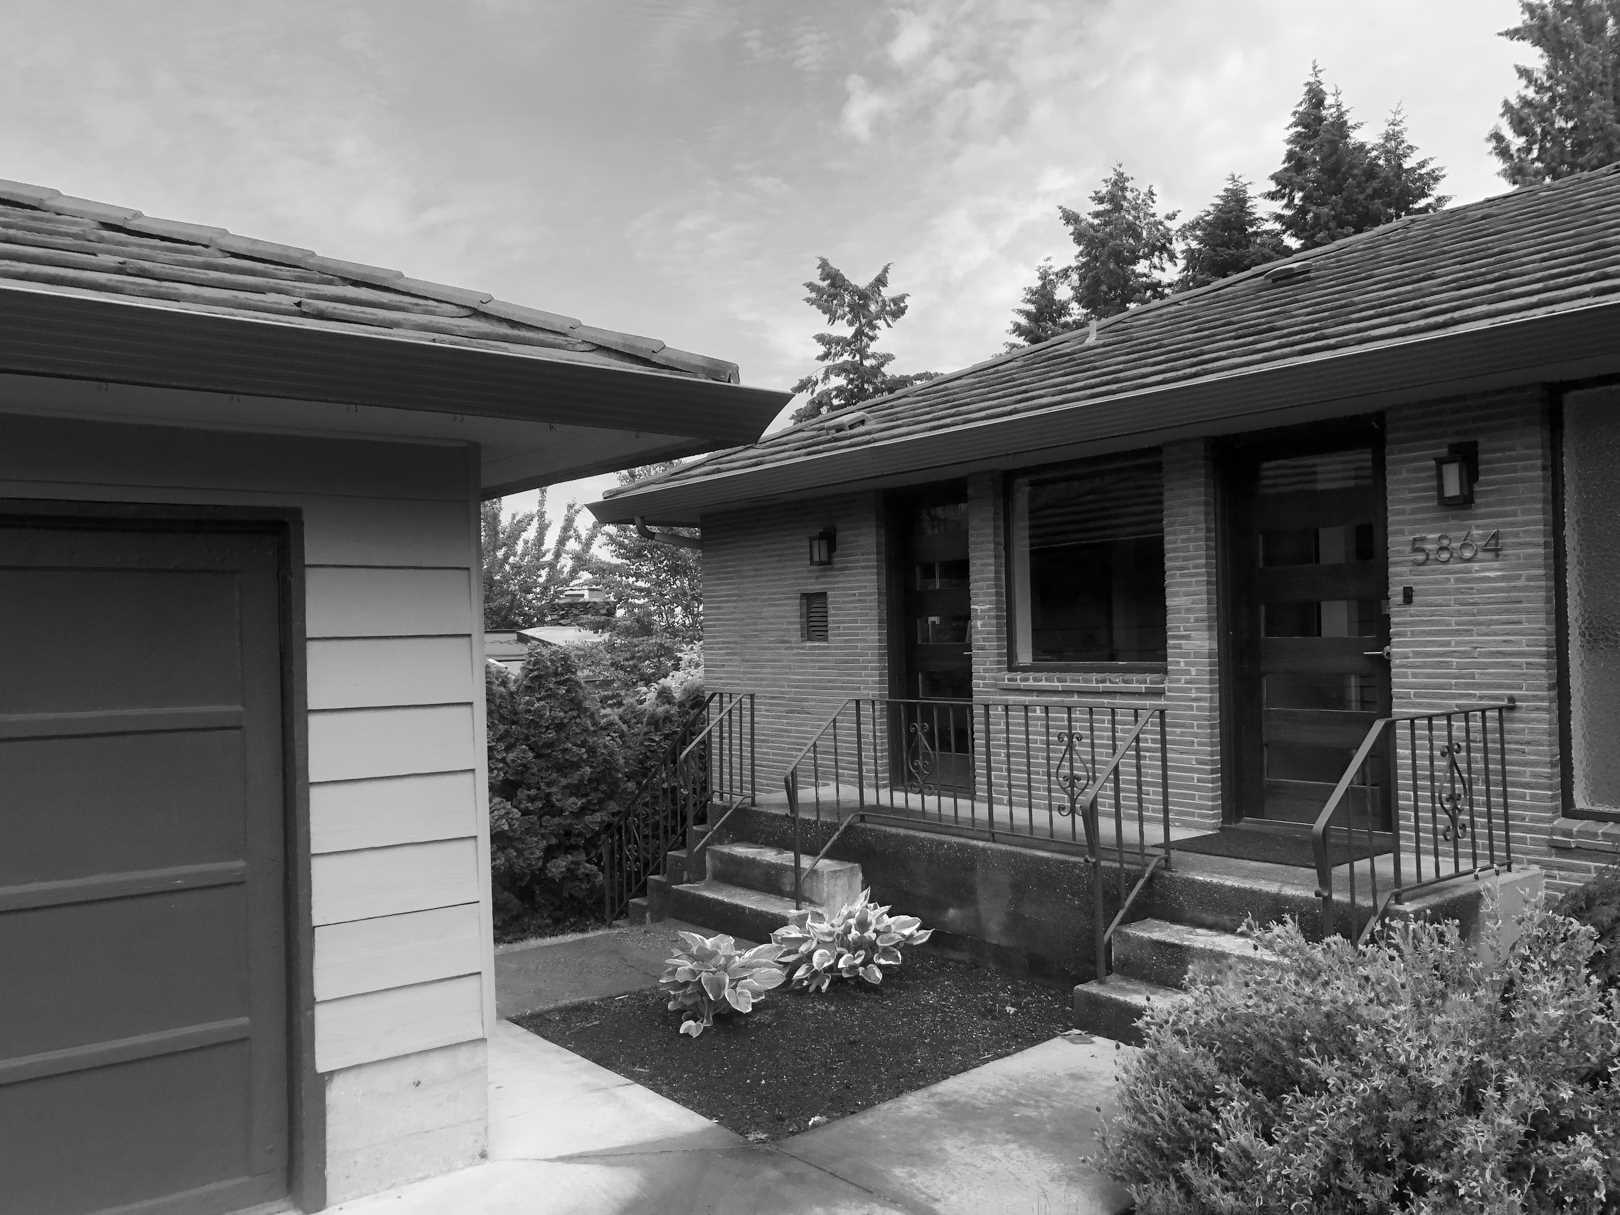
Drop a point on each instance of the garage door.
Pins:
(143, 1025)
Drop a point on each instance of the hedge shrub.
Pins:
(1597, 905)
(1410, 1076)
(555, 781)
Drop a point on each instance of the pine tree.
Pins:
(1122, 242)
(1566, 116)
(1402, 182)
(523, 575)
(1046, 311)
(853, 370)
(1333, 184)
(1227, 237)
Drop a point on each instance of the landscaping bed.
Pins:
(798, 1057)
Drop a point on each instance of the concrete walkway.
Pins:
(570, 1138)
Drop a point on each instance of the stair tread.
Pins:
(743, 894)
(1188, 935)
(1137, 992)
(769, 854)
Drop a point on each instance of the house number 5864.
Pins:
(1444, 548)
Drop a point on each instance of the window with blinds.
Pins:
(1086, 562)
(813, 616)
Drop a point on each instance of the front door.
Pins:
(143, 990)
(932, 726)
(1308, 615)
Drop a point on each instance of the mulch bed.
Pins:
(795, 1057)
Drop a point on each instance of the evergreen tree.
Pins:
(1122, 242)
(655, 588)
(1403, 183)
(523, 574)
(1566, 116)
(1333, 184)
(853, 370)
(1046, 311)
(1226, 237)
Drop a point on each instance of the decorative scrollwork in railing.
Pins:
(1456, 795)
(921, 758)
(1071, 773)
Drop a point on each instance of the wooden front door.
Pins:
(143, 1021)
(1309, 620)
(932, 729)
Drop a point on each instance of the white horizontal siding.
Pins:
(347, 815)
(375, 672)
(396, 951)
(350, 744)
(403, 533)
(342, 601)
(391, 881)
(399, 1021)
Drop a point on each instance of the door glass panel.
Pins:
(1323, 618)
(943, 630)
(1354, 693)
(941, 575)
(1350, 469)
(1298, 761)
(1316, 545)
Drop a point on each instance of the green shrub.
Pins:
(555, 781)
(1411, 1076)
(1597, 905)
(860, 941)
(710, 976)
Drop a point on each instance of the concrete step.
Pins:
(1158, 951)
(638, 911)
(1220, 893)
(735, 910)
(830, 884)
(1111, 1007)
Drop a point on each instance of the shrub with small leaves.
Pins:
(1416, 1075)
(1597, 905)
(860, 940)
(710, 975)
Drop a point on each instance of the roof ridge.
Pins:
(652, 350)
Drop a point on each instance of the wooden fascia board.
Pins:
(92, 338)
(1563, 346)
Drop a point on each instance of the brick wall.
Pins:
(755, 567)
(1484, 629)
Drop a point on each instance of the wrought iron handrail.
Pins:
(1467, 793)
(1014, 771)
(637, 842)
(737, 798)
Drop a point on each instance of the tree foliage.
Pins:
(1566, 116)
(653, 586)
(853, 369)
(1332, 183)
(524, 572)
(1046, 310)
(1226, 238)
(1121, 245)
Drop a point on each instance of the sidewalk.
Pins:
(570, 1138)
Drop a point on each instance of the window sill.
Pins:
(1586, 834)
(1139, 683)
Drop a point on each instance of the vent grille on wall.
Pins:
(813, 616)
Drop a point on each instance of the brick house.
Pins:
(1372, 481)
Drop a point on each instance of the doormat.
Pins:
(1276, 847)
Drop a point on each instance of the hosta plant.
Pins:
(709, 975)
(861, 940)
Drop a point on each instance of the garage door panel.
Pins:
(78, 640)
(83, 973)
(111, 803)
(92, 1139)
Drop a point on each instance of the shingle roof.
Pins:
(1536, 252)
(50, 240)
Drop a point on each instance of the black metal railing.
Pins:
(710, 760)
(1450, 815)
(1087, 776)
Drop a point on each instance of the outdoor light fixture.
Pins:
(1455, 474)
(822, 545)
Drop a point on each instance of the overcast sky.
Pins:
(674, 168)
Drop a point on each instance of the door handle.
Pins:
(1383, 653)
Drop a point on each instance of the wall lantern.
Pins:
(1455, 474)
(822, 546)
